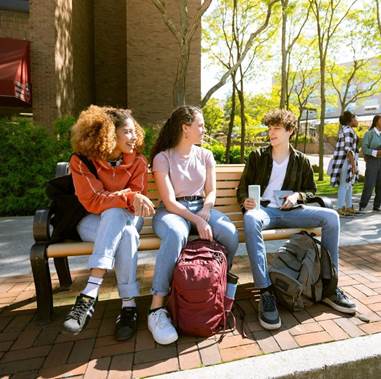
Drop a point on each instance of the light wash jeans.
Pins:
(173, 231)
(268, 218)
(344, 194)
(115, 233)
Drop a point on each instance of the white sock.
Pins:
(128, 302)
(92, 287)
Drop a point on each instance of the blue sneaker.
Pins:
(268, 312)
(340, 302)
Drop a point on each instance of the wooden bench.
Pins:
(227, 180)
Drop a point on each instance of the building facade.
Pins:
(103, 52)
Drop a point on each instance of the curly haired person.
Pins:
(115, 201)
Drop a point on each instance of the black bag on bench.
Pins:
(65, 209)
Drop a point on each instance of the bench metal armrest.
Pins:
(323, 201)
(41, 225)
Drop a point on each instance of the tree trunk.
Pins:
(179, 88)
(231, 124)
(284, 56)
(322, 119)
(298, 128)
(243, 120)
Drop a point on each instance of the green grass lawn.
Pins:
(325, 189)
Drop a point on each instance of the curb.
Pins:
(355, 358)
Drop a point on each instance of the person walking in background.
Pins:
(185, 175)
(115, 201)
(371, 147)
(344, 171)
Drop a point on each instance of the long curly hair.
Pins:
(171, 132)
(94, 133)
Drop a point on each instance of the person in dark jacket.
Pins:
(371, 147)
(286, 180)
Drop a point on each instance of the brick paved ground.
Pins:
(29, 349)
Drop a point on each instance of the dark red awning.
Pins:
(15, 83)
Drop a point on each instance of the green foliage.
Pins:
(218, 150)
(27, 159)
(62, 128)
(213, 116)
(324, 187)
(332, 130)
(151, 132)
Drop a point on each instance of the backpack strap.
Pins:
(89, 164)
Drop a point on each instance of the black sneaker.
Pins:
(268, 312)
(126, 323)
(341, 302)
(376, 209)
(80, 314)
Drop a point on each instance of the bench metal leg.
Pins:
(42, 282)
(63, 272)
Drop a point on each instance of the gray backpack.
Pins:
(302, 267)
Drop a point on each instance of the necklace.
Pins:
(116, 162)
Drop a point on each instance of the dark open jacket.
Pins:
(299, 175)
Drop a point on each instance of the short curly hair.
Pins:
(94, 133)
(283, 117)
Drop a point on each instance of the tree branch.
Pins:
(249, 43)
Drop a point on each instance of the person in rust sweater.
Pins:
(115, 200)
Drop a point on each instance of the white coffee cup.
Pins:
(255, 194)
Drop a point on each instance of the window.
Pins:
(15, 5)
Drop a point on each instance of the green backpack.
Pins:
(302, 267)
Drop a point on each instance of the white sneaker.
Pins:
(160, 325)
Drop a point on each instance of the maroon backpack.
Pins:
(197, 300)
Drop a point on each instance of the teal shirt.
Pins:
(371, 141)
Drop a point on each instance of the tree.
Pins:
(354, 81)
(290, 33)
(213, 116)
(359, 78)
(329, 14)
(246, 49)
(378, 9)
(183, 34)
(227, 31)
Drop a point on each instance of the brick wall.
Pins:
(96, 51)
(110, 52)
(62, 58)
(152, 54)
(14, 24)
(43, 37)
(83, 54)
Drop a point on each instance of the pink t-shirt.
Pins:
(187, 174)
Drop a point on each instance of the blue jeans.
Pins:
(115, 233)
(344, 194)
(268, 218)
(173, 231)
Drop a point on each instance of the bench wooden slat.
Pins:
(151, 242)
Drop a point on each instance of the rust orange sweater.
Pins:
(115, 187)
